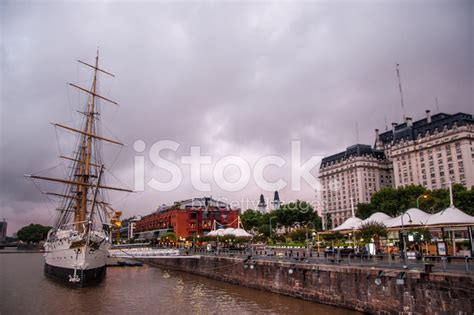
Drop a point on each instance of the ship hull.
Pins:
(86, 276)
(77, 259)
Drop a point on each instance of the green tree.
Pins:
(465, 200)
(298, 235)
(422, 235)
(373, 230)
(395, 201)
(264, 229)
(386, 201)
(328, 221)
(33, 233)
(251, 219)
(298, 213)
(364, 210)
(169, 236)
(407, 196)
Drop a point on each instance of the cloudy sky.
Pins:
(238, 78)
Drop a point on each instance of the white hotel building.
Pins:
(431, 151)
(352, 176)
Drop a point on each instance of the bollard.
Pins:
(467, 263)
(444, 263)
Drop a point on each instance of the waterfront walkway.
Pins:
(426, 264)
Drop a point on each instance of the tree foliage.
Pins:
(394, 201)
(372, 230)
(298, 235)
(168, 236)
(299, 213)
(422, 235)
(251, 219)
(291, 215)
(33, 233)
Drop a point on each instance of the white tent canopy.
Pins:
(230, 231)
(450, 216)
(212, 233)
(350, 224)
(378, 217)
(241, 233)
(413, 216)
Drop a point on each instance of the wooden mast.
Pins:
(88, 148)
(83, 160)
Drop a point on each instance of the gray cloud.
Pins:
(237, 78)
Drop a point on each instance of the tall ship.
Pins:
(77, 246)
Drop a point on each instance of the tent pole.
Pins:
(469, 232)
(453, 237)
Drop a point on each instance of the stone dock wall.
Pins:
(379, 291)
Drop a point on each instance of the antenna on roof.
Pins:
(400, 89)
(357, 132)
(437, 105)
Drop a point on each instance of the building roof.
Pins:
(422, 127)
(355, 150)
(415, 215)
(195, 203)
(378, 217)
(450, 216)
(276, 196)
(230, 231)
(350, 224)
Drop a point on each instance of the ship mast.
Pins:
(89, 130)
(81, 183)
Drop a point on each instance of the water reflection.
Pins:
(24, 289)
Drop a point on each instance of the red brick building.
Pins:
(190, 217)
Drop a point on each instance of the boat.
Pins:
(77, 246)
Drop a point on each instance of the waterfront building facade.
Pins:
(351, 177)
(188, 218)
(127, 230)
(431, 151)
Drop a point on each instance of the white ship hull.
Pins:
(74, 258)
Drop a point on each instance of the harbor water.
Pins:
(24, 289)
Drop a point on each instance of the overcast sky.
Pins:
(240, 78)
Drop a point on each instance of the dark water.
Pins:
(136, 290)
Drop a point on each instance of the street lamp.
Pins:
(425, 196)
(312, 224)
(405, 262)
(271, 225)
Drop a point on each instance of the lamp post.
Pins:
(405, 262)
(317, 235)
(418, 200)
(271, 226)
(307, 247)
